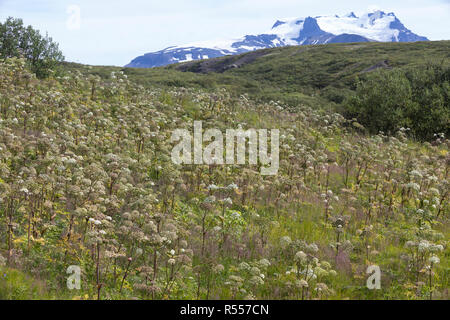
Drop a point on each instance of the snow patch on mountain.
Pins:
(288, 30)
(371, 26)
(374, 26)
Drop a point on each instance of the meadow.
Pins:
(86, 179)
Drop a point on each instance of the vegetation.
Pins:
(86, 179)
(386, 86)
(16, 40)
(15, 285)
(416, 98)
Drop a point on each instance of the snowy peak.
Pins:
(370, 26)
(375, 26)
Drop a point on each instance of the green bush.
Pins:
(16, 40)
(415, 98)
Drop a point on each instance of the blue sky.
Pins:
(114, 32)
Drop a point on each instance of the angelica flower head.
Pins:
(300, 256)
(232, 186)
(434, 260)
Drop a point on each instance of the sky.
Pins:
(111, 32)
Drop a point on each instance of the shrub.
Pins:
(16, 40)
(416, 97)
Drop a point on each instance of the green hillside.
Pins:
(305, 74)
(385, 86)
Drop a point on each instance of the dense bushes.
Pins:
(417, 98)
(16, 40)
(86, 179)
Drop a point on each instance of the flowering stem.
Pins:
(431, 281)
(99, 286)
(126, 274)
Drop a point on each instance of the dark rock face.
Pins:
(262, 41)
(405, 35)
(278, 23)
(308, 31)
(311, 33)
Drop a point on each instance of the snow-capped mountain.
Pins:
(371, 26)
